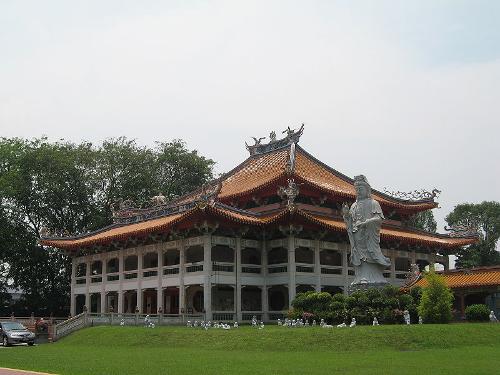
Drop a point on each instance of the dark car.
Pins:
(15, 333)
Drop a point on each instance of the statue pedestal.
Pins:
(368, 275)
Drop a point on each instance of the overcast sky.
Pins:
(405, 92)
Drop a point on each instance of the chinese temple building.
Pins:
(244, 244)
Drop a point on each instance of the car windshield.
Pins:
(13, 326)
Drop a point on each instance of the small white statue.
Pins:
(375, 321)
(353, 323)
(322, 322)
(341, 325)
(195, 323)
(314, 323)
(406, 315)
(235, 325)
(188, 324)
(279, 322)
(307, 323)
(493, 318)
(254, 321)
(261, 326)
(420, 321)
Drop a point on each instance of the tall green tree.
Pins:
(69, 188)
(485, 218)
(436, 301)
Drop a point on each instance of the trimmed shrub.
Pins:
(437, 299)
(386, 304)
(477, 313)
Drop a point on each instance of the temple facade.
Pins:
(244, 244)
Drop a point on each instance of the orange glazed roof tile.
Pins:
(310, 169)
(468, 278)
(388, 233)
(116, 233)
(262, 170)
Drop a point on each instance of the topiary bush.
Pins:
(477, 313)
(436, 301)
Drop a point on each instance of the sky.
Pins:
(404, 92)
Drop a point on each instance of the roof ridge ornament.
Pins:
(415, 195)
(289, 193)
(292, 136)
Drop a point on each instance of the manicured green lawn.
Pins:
(426, 349)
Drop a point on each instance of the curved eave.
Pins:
(160, 225)
(394, 234)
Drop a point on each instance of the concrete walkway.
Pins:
(11, 371)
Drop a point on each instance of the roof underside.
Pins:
(225, 213)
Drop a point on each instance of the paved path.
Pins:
(9, 371)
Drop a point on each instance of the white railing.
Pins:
(71, 325)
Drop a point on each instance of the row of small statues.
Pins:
(209, 324)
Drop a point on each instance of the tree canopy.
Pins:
(485, 218)
(70, 187)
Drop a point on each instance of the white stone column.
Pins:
(120, 281)
(207, 270)
(159, 291)
(345, 266)
(87, 283)
(72, 309)
(265, 301)
(103, 284)
(182, 289)
(237, 268)
(139, 280)
(393, 265)
(292, 270)
(317, 264)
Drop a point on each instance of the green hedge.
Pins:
(387, 304)
(477, 313)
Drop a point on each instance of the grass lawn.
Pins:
(425, 349)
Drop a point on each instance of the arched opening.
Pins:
(95, 303)
(194, 299)
(150, 260)
(402, 264)
(277, 255)
(96, 268)
(171, 257)
(112, 302)
(131, 263)
(250, 255)
(304, 255)
(112, 265)
(149, 303)
(194, 254)
(223, 254)
(222, 298)
(129, 301)
(330, 258)
(81, 270)
(171, 300)
(79, 303)
(251, 298)
(278, 298)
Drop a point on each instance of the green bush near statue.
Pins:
(477, 313)
(386, 304)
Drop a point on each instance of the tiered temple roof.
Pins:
(279, 183)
